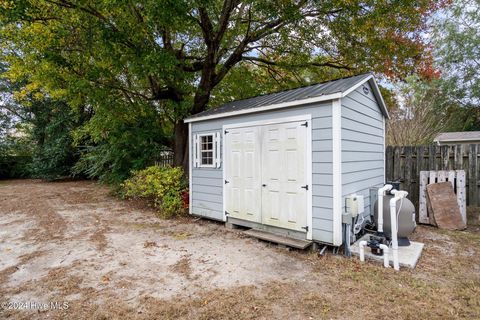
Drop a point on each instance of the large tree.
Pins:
(456, 39)
(15, 147)
(35, 133)
(170, 55)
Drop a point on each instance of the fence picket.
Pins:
(444, 157)
(408, 170)
(458, 161)
(389, 163)
(432, 157)
(396, 168)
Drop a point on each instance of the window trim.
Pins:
(199, 147)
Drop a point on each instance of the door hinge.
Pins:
(226, 181)
(226, 213)
(305, 124)
(306, 228)
(226, 131)
(305, 187)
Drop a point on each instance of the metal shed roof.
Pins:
(463, 136)
(334, 89)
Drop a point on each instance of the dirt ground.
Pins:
(69, 250)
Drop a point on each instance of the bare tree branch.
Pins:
(298, 65)
(227, 9)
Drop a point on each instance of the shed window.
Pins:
(206, 150)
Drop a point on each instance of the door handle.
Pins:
(264, 185)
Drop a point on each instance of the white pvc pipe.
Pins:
(393, 217)
(381, 193)
(362, 245)
(386, 262)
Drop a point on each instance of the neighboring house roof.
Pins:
(334, 89)
(462, 137)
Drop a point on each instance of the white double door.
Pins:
(265, 174)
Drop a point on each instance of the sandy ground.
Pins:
(91, 255)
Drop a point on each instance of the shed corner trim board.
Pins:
(337, 170)
(190, 160)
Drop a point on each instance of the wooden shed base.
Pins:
(282, 240)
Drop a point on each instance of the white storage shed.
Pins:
(285, 162)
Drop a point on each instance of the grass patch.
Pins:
(181, 235)
(445, 284)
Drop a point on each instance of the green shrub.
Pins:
(162, 185)
(14, 166)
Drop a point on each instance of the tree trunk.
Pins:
(200, 101)
(180, 146)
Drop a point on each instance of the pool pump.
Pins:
(399, 215)
(374, 244)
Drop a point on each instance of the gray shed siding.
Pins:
(363, 165)
(207, 183)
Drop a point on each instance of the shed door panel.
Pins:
(284, 201)
(242, 171)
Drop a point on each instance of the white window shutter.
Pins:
(196, 151)
(217, 150)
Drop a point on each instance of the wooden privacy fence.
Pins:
(165, 158)
(404, 164)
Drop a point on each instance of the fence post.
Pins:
(472, 176)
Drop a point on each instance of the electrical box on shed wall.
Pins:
(354, 204)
